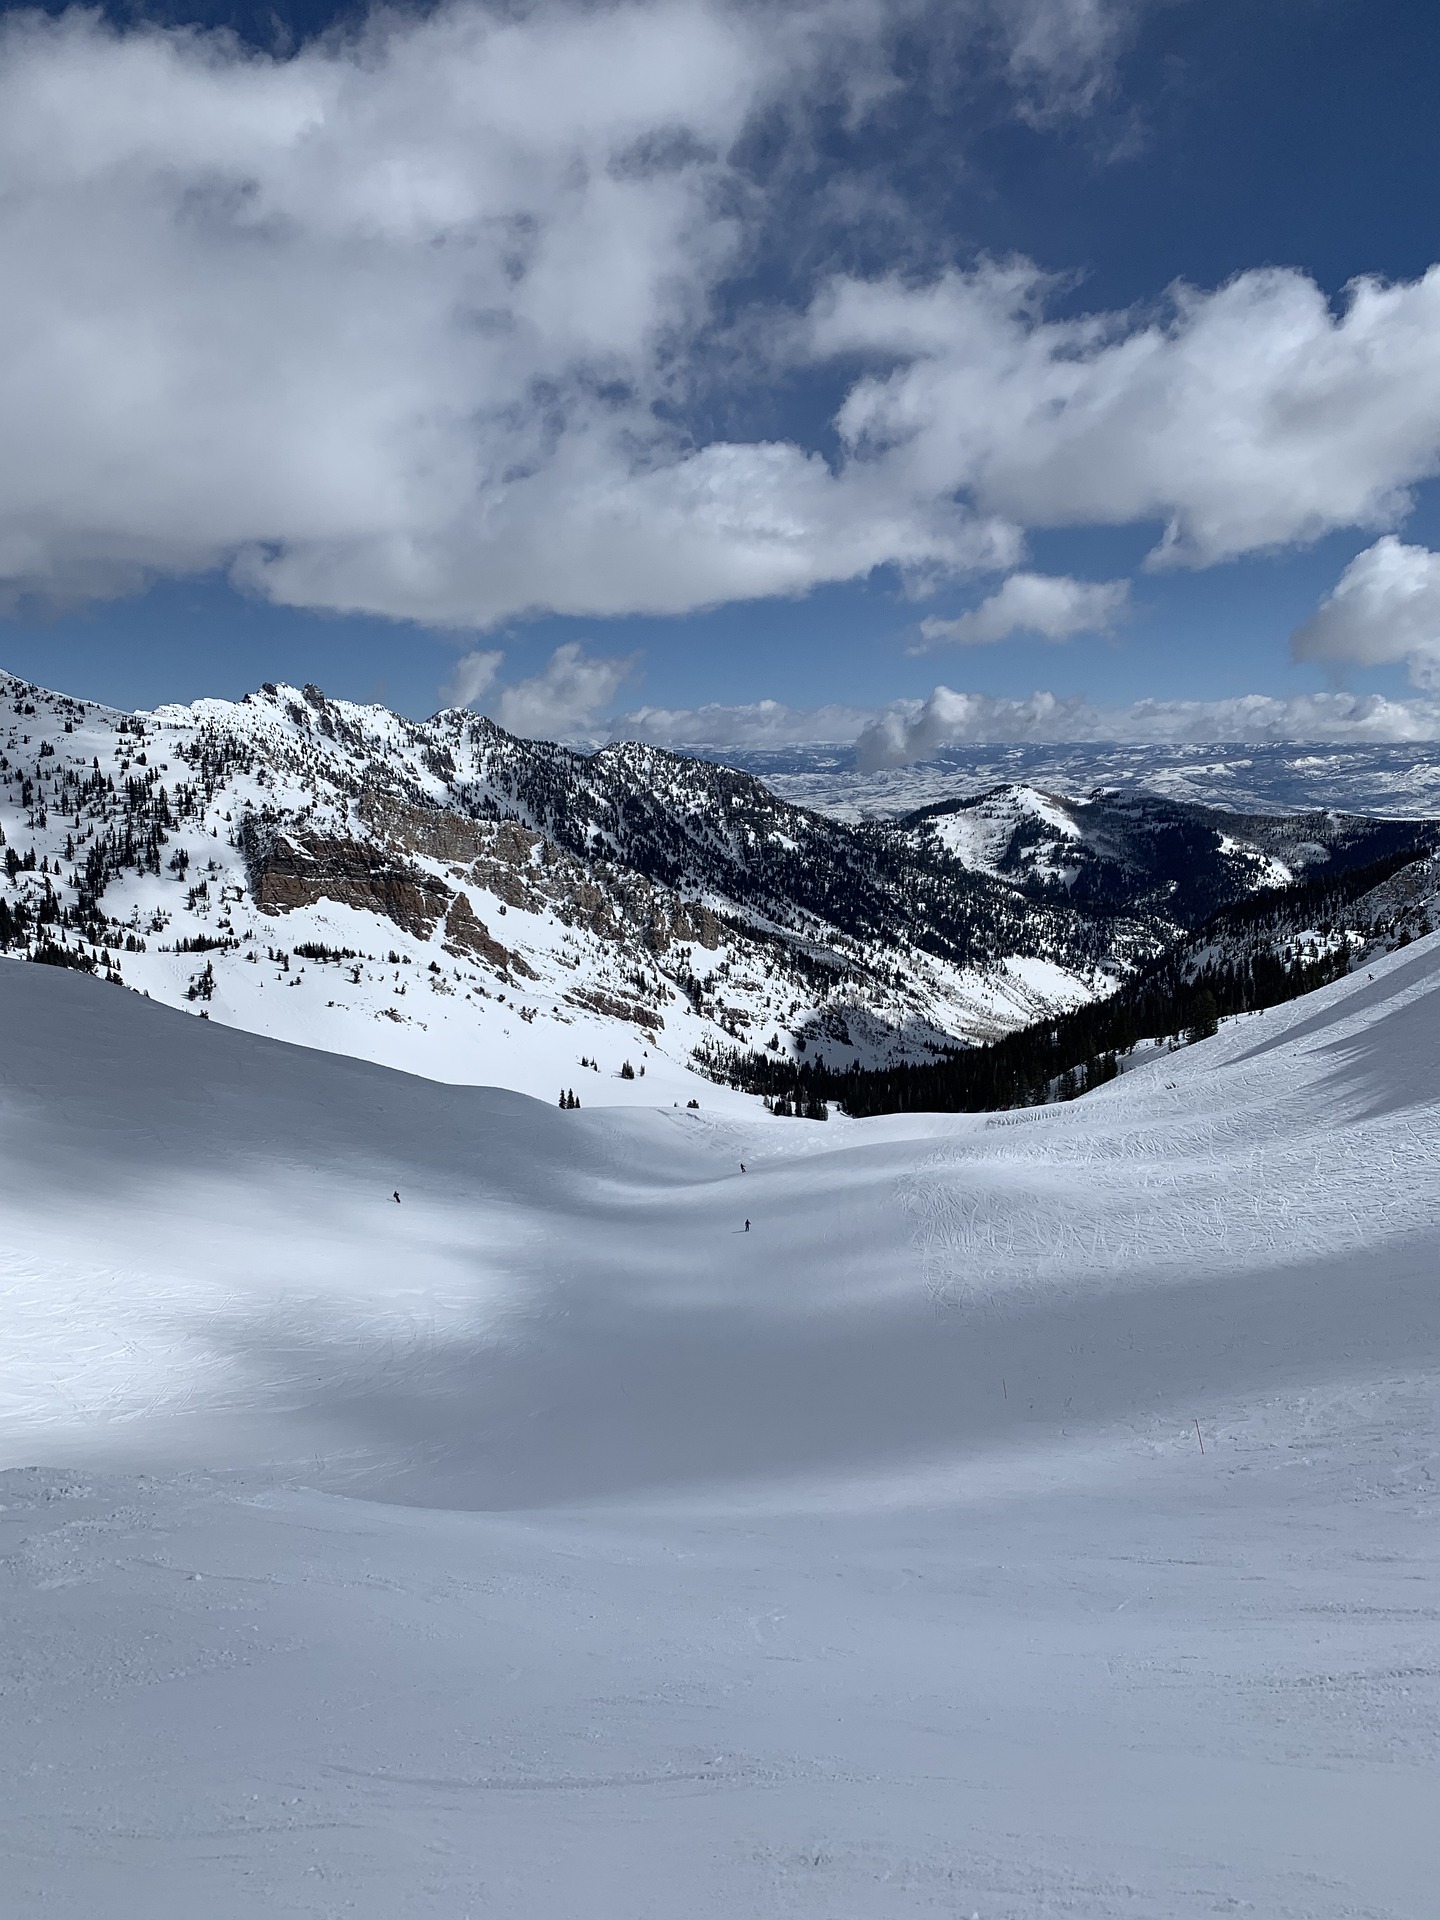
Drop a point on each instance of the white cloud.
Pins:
(1051, 606)
(912, 730)
(761, 723)
(382, 325)
(386, 325)
(404, 323)
(564, 700)
(1061, 55)
(1246, 418)
(474, 675)
(1385, 607)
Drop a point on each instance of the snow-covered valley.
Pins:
(545, 1544)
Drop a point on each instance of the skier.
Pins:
(742, 1166)
(397, 1196)
(747, 1226)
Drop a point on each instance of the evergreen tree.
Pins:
(1206, 1017)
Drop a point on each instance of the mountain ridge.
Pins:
(481, 907)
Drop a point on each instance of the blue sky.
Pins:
(329, 370)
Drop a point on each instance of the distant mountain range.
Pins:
(449, 898)
(1381, 779)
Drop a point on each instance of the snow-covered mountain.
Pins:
(1128, 852)
(475, 907)
(1034, 1514)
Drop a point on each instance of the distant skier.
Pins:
(742, 1166)
(747, 1226)
(397, 1196)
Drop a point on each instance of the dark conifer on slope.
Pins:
(1246, 958)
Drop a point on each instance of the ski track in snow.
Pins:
(546, 1546)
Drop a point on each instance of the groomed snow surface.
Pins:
(546, 1546)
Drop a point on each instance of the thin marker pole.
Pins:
(1199, 1436)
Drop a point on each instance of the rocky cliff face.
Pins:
(291, 867)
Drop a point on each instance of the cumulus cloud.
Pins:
(760, 723)
(1250, 417)
(474, 675)
(906, 731)
(406, 322)
(348, 322)
(912, 730)
(564, 700)
(1384, 608)
(1051, 606)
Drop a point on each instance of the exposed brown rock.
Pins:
(594, 1001)
(687, 922)
(467, 936)
(428, 831)
(514, 843)
(494, 856)
(292, 868)
(501, 879)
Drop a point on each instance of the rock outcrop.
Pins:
(289, 868)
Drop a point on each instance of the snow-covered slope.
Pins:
(450, 900)
(545, 1543)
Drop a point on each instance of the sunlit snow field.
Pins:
(545, 1545)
